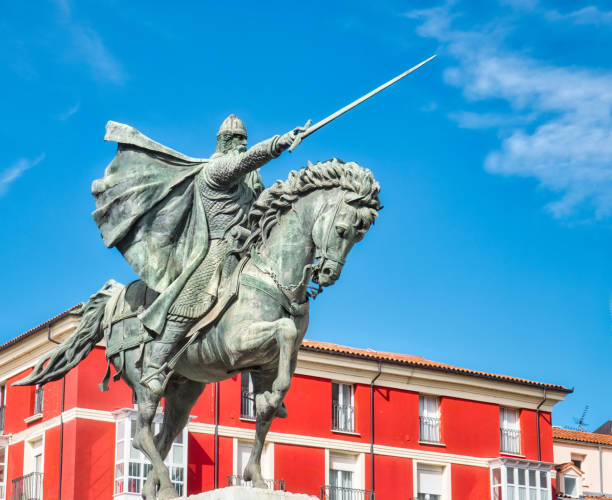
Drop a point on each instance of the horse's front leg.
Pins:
(281, 334)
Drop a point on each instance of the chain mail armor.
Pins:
(226, 198)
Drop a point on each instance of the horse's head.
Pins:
(341, 200)
(344, 219)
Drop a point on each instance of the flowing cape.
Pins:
(147, 207)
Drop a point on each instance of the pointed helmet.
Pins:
(234, 125)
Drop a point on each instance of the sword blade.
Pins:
(355, 103)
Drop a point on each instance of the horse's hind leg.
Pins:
(143, 441)
(181, 395)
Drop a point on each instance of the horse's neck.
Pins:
(289, 248)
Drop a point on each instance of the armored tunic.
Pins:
(226, 204)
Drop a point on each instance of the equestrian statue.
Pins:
(225, 268)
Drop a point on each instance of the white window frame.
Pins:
(353, 462)
(527, 466)
(267, 458)
(4, 444)
(349, 417)
(127, 417)
(29, 458)
(425, 403)
(503, 426)
(446, 476)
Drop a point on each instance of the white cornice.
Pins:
(422, 380)
(341, 445)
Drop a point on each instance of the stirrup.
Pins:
(145, 380)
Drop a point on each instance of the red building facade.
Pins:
(361, 423)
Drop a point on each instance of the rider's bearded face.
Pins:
(231, 144)
(239, 143)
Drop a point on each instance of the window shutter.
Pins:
(430, 480)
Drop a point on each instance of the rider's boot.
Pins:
(159, 351)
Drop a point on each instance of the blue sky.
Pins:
(493, 249)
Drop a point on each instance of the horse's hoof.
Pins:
(167, 494)
(260, 484)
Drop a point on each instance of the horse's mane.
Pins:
(359, 183)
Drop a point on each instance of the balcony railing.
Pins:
(342, 418)
(2, 424)
(272, 484)
(247, 405)
(38, 400)
(510, 441)
(28, 487)
(340, 493)
(429, 429)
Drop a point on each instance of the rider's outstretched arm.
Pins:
(228, 170)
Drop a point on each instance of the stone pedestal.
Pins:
(244, 493)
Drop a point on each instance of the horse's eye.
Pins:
(341, 231)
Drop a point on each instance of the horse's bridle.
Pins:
(323, 252)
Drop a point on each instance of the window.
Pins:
(2, 472)
(247, 397)
(342, 407)
(570, 486)
(242, 453)
(429, 419)
(520, 480)
(38, 400)
(342, 476)
(510, 431)
(578, 460)
(131, 466)
(429, 482)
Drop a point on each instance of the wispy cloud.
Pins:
(568, 147)
(69, 112)
(586, 15)
(475, 121)
(12, 173)
(90, 46)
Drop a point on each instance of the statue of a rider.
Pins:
(173, 217)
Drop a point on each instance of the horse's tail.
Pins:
(75, 348)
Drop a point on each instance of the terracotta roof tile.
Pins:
(420, 362)
(584, 437)
(32, 331)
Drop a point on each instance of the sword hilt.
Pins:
(300, 136)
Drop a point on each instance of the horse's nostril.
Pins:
(327, 271)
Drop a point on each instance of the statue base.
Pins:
(245, 493)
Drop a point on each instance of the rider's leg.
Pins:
(160, 350)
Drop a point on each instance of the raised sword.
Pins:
(312, 129)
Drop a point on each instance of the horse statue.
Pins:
(302, 230)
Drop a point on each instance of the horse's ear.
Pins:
(309, 164)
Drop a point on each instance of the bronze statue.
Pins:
(225, 270)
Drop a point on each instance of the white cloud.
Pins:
(11, 174)
(586, 15)
(90, 46)
(569, 146)
(69, 112)
(471, 120)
